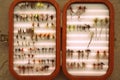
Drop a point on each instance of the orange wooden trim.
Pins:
(11, 23)
(111, 40)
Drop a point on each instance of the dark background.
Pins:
(4, 55)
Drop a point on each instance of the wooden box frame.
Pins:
(11, 23)
(111, 40)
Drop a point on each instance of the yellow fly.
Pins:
(40, 5)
